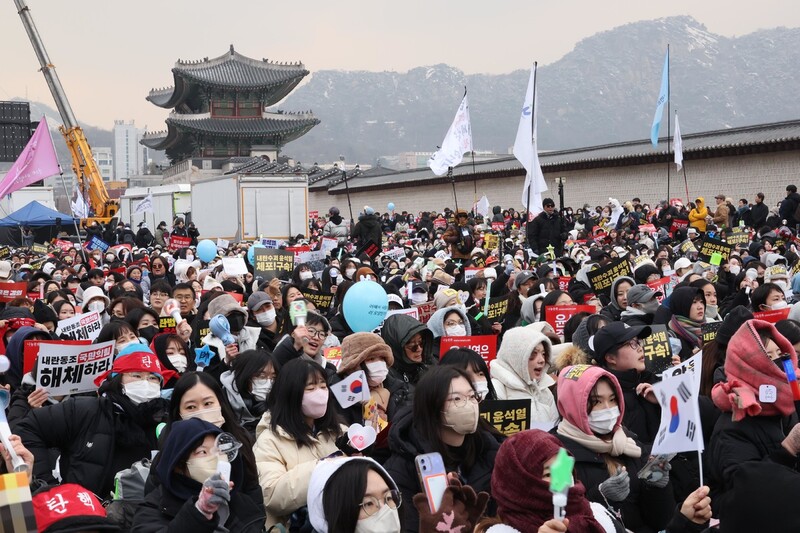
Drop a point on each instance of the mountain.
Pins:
(603, 91)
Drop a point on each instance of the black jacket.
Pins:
(546, 230)
(788, 207)
(757, 216)
(144, 238)
(368, 228)
(406, 443)
(641, 417)
(645, 510)
(284, 352)
(396, 332)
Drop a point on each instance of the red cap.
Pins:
(70, 508)
(138, 361)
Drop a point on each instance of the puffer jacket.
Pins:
(697, 216)
(396, 332)
(284, 468)
(246, 410)
(337, 228)
(512, 381)
(436, 325)
(368, 228)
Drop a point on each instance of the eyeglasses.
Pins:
(633, 343)
(460, 400)
(372, 505)
(317, 334)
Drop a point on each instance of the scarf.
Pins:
(687, 329)
(620, 443)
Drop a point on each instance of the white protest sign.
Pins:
(68, 369)
(441, 254)
(470, 273)
(234, 266)
(329, 243)
(269, 243)
(396, 254)
(84, 327)
(223, 243)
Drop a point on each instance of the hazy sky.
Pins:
(110, 53)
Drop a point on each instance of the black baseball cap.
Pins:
(616, 334)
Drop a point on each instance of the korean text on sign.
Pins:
(68, 369)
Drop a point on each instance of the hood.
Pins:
(436, 322)
(700, 202)
(575, 383)
(319, 478)
(496, 210)
(14, 351)
(518, 343)
(398, 330)
(369, 221)
(614, 284)
(680, 301)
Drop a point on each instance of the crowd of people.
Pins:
(150, 449)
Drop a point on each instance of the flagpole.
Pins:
(533, 143)
(669, 131)
(453, 181)
(68, 196)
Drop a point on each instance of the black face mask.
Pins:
(148, 333)
(236, 320)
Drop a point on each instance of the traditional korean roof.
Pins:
(230, 72)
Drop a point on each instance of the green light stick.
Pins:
(560, 482)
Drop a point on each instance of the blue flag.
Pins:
(662, 99)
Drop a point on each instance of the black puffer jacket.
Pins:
(405, 443)
(396, 332)
(787, 209)
(546, 230)
(97, 438)
(368, 228)
(641, 417)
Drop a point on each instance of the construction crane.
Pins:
(83, 164)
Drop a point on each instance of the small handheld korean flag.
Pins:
(680, 429)
(351, 390)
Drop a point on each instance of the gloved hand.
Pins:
(617, 487)
(659, 475)
(215, 492)
(461, 507)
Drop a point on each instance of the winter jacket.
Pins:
(339, 327)
(512, 381)
(337, 228)
(641, 417)
(284, 468)
(248, 412)
(193, 233)
(396, 332)
(461, 240)
(546, 230)
(285, 351)
(160, 234)
(788, 207)
(144, 238)
(405, 443)
(697, 216)
(425, 223)
(497, 215)
(757, 216)
(436, 325)
(636, 317)
(721, 216)
(368, 228)
(613, 311)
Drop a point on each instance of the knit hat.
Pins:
(359, 347)
(70, 508)
(575, 384)
(446, 298)
(364, 271)
(223, 305)
(136, 357)
(520, 462)
(523, 277)
(748, 367)
(732, 322)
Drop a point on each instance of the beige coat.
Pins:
(284, 469)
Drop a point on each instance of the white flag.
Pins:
(482, 207)
(79, 207)
(526, 150)
(680, 429)
(456, 143)
(678, 144)
(145, 205)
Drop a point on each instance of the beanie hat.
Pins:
(70, 508)
(445, 297)
(224, 305)
(520, 462)
(732, 322)
(747, 367)
(368, 210)
(359, 347)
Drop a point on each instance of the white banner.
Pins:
(84, 327)
(68, 369)
(329, 243)
(678, 144)
(456, 143)
(395, 254)
(234, 266)
(145, 205)
(526, 150)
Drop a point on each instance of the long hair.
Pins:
(344, 491)
(248, 364)
(114, 329)
(286, 399)
(464, 358)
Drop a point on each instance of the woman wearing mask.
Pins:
(95, 301)
(710, 296)
(353, 495)
(444, 418)
(412, 347)
(521, 372)
(301, 273)
(349, 269)
(247, 385)
(145, 321)
(473, 364)
(192, 496)
(448, 322)
(99, 436)
(606, 457)
(173, 354)
(299, 429)
(688, 306)
(619, 301)
(768, 297)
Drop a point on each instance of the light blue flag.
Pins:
(662, 99)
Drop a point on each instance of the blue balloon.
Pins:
(251, 253)
(390, 206)
(365, 306)
(206, 250)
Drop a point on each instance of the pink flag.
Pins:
(36, 162)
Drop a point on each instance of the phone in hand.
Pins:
(432, 478)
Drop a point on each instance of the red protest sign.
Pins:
(439, 223)
(647, 228)
(660, 285)
(313, 215)
(177, 242)
(498, 226)
(333, 355)
(557, 315)
(9, 291)
(563, 282)
(425, 311)
(678, 224)
(64, 245)
(773, 315)
(485, 345)
(31, 351)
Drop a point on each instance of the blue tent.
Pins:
(35, 215)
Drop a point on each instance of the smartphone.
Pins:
(432, 478)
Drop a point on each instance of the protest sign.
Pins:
(80, 327)
(470, 273)
(223, 243)
(640, 260)
(687, 247)
(333, 355)
(31, 351)
(601, 278)
(370, 249)
(269, 243)
(485, 345)
(321, 300)
(709, 330)
(657, 350)
(315, 260)
(709, 246)
(491, 242)
(176, 242)
(425, 311)
(313, 215)
(773, 315)
(37, 264)
(507, 416)
(395, 254)
(9, 291)
(647, 228)
(39, 248)
(234, 266)
(661, 285)
(17, 513)
(737, 237)
(270, 262)
(328, 243)
(558, 315)
(96, 243)
(498, 226)
(439, 223)
(563, 283)
(678, 224)
(65, 369)
(413, 312)
(497, 308)
(5, 252)
(167, 324)
(65, 246)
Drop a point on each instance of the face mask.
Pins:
(304, 275)
(141, 391)
(603, 421)
(122, 346)
(456, 331)
(236, 320)
(462, 420)
(482, 387)
(418, 298)
(650, 307)
(782, 284)
(385, 520)
(267, 318)
(377, 372)
(712, 310)
(350, 272)
(189, 257)
(178, 361)
(735, 269)
(97, 307)
(57, 276)
(148, 333)
(315, 403)
(780, 305)
(261, 388)
(202, 468)
(212, 415)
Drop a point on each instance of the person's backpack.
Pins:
(129, 485)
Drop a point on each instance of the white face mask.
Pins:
(305, 274)
(57, 276)
(96, 307)
(377, 372)
(189, 257)
(712, 311)
(780, 305)
(261, 389)
(178, 361)
(267, 318)
(781, 283)
(482, 388)
(419, 298)
(456, 331)
(386, 520)
(603, 421)
(141, 391)
(735, 269)
(350, 272)
(202, 468)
